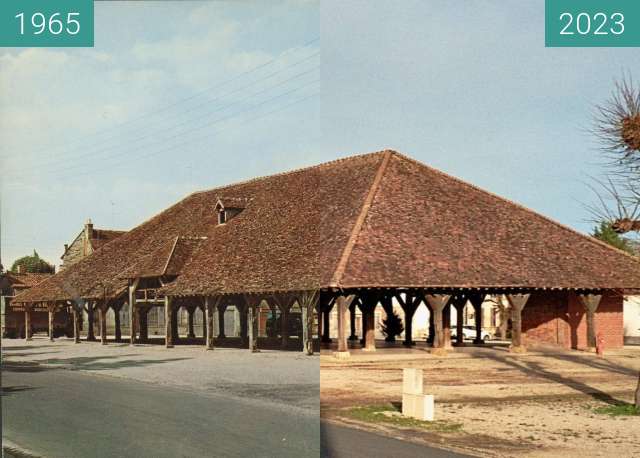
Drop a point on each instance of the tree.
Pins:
(605, 233)
(392, 326)
(618, 127)
(33, 264)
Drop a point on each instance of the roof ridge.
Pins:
(292, 171)
(521, 206)
(357, 227)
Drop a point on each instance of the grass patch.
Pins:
(618, 410)
(380, 414)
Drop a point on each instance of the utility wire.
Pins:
(173, 147)
(181, 101)
(91, 154)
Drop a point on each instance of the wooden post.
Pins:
(343, 303)
(591, 302)
(308, 301)
(251, 304)
(132, 308)
(142, 323)
(352, 322)
(409, 305)
(370, 337)
(446, 325)
(27, 323)
(76, 322)
(103, 324)
(221, 310)
(517, 302)
(168, 322)
(438, 302)
(326, 326)
(243, 323)
(204, 323)
(116, 319)
(459, 303)
(190, 333)
(284, 327)
(51, 308)
(90, 331)
(209, 311)
(476, 300)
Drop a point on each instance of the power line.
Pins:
(183, 100)
(172, 147)
(99, 151)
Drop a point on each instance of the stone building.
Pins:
(85, 243)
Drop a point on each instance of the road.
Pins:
(63, 413)
(67, 414)
(339, 442)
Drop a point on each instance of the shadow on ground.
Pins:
(90, 363)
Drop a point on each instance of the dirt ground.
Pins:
(540, 404)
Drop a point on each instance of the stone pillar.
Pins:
(591, 302)
(52, 312)
(76, 323)
(27, 324)
(90, 331)
(209, 311)
(438, 302)
(102, 317)
(517, 302)
(352, 322)
(116, 320)
(221, 310)
(190, 333)
(168, 322)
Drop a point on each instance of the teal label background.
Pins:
(553, 25)
(10, 25)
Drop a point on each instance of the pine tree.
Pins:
(392, 326)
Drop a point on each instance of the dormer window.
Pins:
(229, 207)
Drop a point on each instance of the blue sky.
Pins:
(469, 89)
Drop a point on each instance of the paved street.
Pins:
(339, 442)
(67, 414)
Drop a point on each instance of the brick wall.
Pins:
(559, 318)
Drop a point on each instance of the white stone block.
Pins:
(412, 381)
(418, 406)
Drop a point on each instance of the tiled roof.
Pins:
(102, 236)
(375, 220)
(26, 279)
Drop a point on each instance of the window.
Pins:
(222, 216)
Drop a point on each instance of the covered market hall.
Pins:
(361, 232)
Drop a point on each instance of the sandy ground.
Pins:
(537, 404)
(290, 378)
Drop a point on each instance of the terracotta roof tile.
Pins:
(379, 219)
